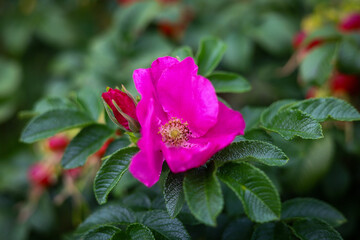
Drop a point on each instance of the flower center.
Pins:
(175, 133)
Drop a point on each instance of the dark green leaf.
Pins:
(173, 193)
(272, 231)
(313, 208)
(102, 233)
(229, 82)
(251, 116)
(317, 66)
(322, 109)
(240, 228)
(138, 231)
(87, 142)
(52, 122)
(182, 52)
(90, 102)
(313, 229)
(209, 55)
(160, 222)
(251, 150)
(203, 194)
(257, 193)
(348, 59)
(116, 145)
(111, 172)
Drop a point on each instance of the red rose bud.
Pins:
(350, 23)
(298, 39)
(58, 143)
(102, 150)
(73, 173)
(41, 175)
(342, 83)
(123, 106)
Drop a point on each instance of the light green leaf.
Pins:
(111, 171)
(322, 109)
(313, 229)
(257, 193)
(138, 231)
(53, 103)
(173, 193)
(10, 77)
(88, 141)
(89, 100)
(209, 55)
(182, 52)
(160, 222)
(317, 66)
(313, 208)
(52, 122)
(229, 82)
(251, 150)
(203, 194)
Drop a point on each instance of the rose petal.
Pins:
(147, 164)
(159, 65)
(188, 96)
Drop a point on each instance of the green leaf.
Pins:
(111, 171)
(313, 208)
(322, 109)
(209, 55)
(160, 222)
(89, 100)
(290, 123)
(52, 122)
(110, 214)
(348, 59)
(251, 150)
(229, 82)
(317, 66)
(313, 229)
(86, 142)
(173, 193)
(53, 103)
(257, 193)
(251, 116)
(10, 77)
(137, 231)
(203, 194)
(116, 145)
(182, 52)
(240, 228)
(239, 58)
(272, 231)
(101, 233)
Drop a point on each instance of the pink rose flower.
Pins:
(181, 119)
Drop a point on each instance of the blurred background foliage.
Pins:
(52, 49)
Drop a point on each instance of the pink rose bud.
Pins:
(350, 23)
(41, 175)
(123, 106)
(58, 143)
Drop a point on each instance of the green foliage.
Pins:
(52, 122)
(229, 82)
(311, 229)
(257, 193)
(173, 193)
(348, 60)
(257, 151)
(111, 171)
(182, 52)
(138, 231)
(313, 208)
(203, 194)
(209, 55)
(102, 233)
(272, 231)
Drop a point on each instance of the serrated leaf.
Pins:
(89, 100)
(109, 214)
(313, 208)
(160, 222)
(116, 145)
(111, 171)
(87, 142)
(272, 231)
(322, 109)
(173, 193)
(209, 55)
(257, 193)
(317, 66)
(251, 150)
(137, 231)
(291, 123)
(229, 82)
(182, 52)
(203, 194)
(101, 233)
(52, 122)
(313, 229)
